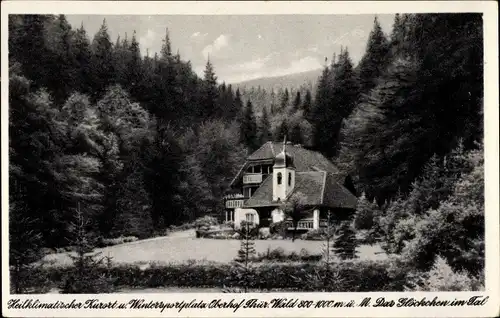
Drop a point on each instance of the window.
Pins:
(230, 216)
(257, 169)
(250, 217)
(290, 179)
(279, 177)
(247, 192)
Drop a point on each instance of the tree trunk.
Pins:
(295, 225)
(17, 279)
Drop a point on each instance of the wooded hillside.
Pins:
(140, 142)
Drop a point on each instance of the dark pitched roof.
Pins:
(319, 188)
(310, 185)
(336, 195)
(263, 196)
(304, 159)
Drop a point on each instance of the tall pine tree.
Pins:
(297, 102)
(375, 59)
(82, 55)
(337, 95)
(101, 61)
(248, 128)
(307, 104)
(264, 133)
(210, 92)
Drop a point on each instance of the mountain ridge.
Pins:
(290, 81)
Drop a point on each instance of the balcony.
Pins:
(252, 178)
(234, 203)
(304, 224)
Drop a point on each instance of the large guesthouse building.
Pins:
(276, 172)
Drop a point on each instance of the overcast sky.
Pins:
(246, 47)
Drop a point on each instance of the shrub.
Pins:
(443, 215)
(279, 228)
(229, 224)
(206, 221)
(314, 235)
(441, 277)
(279, 254)
(182, 227)
(103, 242)
(455, 230)
(248, 228)
(353, 276)
(264, 233)
(223, 234)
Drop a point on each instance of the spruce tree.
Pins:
(210, 92)
(345, 244)
(166, 49)
(166, 98)
(328, 237)
(134, 68)
(307, 104)
(25, 243)
(82, 54)
(248, 128)
(247, 247)
(321, 103)
(32, 43)
(237, 105)
(133, 215)
(375, 59)
(245, 254)
(87, 277)
(284, 100)
(363, 217)
(121, 59)
(336, 98)
(369, 127)
(296, 134)
(61, 62)
(273, 102)
(399, 36)
(297, 102)
(265, 128)
(282, 131)
(35, 147)
(101, 61)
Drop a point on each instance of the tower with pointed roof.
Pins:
(283, 175)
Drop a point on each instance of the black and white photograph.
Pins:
(256, 153)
